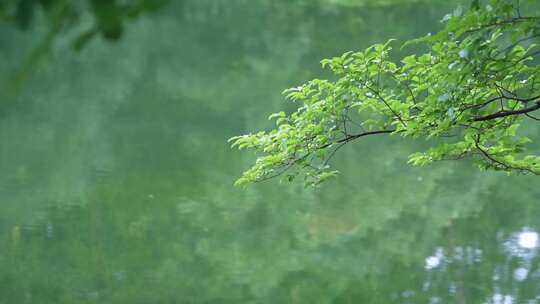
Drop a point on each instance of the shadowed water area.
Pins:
(116, 181)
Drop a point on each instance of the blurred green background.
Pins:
(116, 175)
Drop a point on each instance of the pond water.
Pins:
(116, 181)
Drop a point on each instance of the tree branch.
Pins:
(355, 136)
(509, 113)
(502, 23)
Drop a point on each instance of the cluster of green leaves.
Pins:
(469, 93)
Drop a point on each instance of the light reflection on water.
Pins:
(513, 272)
(528, 239)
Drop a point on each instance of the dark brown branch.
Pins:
(532, 117)
(508, 113)
(286, 166)
(501, 164)
(528, 55)
(387, 105)
(355, 136)
(406, 86)
(333, 153)
(522, 99)
(478, 106)
(502, 23)
(487, 155)
(513, 45)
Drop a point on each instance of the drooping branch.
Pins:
(498, 163)
(464, 81)
(532, 117)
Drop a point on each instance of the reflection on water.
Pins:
(117, 178)
(528, 239)
(512, 279)
(435, 260)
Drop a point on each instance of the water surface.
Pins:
(116, 183)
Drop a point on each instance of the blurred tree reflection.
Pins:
(108, 16)
(55, 17)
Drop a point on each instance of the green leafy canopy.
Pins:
(470, 92)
